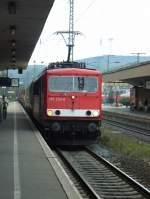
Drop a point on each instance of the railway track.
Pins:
(99, 178)
(128, 128)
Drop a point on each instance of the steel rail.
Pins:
(129, 128)
(88, 187)
(129, 179)
(102, 179)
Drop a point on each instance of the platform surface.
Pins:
(25, 172)
(126, 110)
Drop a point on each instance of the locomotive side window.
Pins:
(72, 84)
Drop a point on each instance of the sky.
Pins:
(117, 27)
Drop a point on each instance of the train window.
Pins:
(72, 84)
(85, 84)
(60, 84)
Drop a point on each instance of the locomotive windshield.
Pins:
(72, 84)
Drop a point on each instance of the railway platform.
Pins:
(126, 110)
(123, 114)
(28, 168)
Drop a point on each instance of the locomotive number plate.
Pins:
(57, 99)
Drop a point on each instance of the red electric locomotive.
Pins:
(66, 100)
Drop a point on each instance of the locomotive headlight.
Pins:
(49, 112)
(95, 113)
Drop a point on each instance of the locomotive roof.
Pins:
(73, 71)
(68, 68)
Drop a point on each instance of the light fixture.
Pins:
(13, 59)
(13, 43)
(49, 112)
(12, 8)
(12, 29)
(13, 51)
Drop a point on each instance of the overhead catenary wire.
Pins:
(86, 9)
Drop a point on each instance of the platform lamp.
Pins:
(12, 8)
(13, 52)
(13, 43)
(13, 59)
(12, 29)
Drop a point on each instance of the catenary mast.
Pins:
(71, 32)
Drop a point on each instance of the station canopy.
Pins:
(21, 23)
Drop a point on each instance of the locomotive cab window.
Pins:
(85, 84)
(72, 84)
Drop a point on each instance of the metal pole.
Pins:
(138, 56)
(108, 62)
(71, 31)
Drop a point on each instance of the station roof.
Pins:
(135, 74)
(21, 23)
